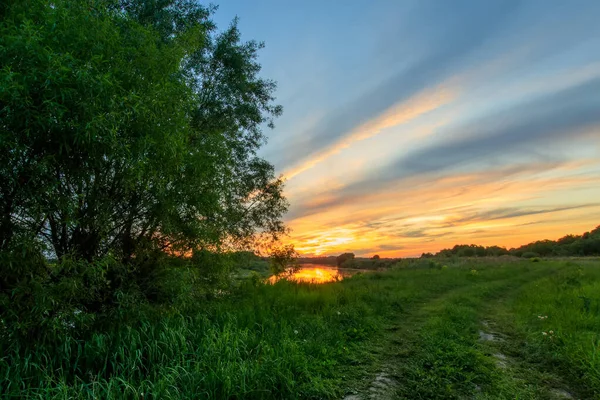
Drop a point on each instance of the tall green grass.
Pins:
(285, 340)
(559, 318)
(292, 340)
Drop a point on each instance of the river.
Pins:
(317, 273)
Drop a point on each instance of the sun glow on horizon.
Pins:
(310, 275)
(484, 209)
(501, 146)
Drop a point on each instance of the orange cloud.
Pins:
(402, 113)
(490, 207)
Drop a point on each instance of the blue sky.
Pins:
(410, 126)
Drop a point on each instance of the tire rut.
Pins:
(405, 330)
(514, 368)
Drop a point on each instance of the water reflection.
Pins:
(315, 273)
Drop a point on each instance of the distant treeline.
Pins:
(349, 260)
(587, 244)
(331, 260)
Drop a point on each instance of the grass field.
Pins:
(483, 329)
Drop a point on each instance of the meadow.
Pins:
(133, 191)
(497, 328)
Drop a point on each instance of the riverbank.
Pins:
(482, 329)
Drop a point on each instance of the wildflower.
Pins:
(295, 331)
(544, 333)
(551, 332)
(339, 313)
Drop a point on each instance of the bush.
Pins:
(283, 259)
(529, 254)
(124, 154)
(426, 263)
(342, 258)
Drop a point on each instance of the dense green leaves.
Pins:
(132, 123)
(283, 260)
(128, 129)
(343, 258)
(587, 244)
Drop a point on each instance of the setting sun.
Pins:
(311, 275)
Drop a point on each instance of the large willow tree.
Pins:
(129, 125)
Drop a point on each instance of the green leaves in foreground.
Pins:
(419, 325)
(128, 129)
(131, 124)
(120, 129)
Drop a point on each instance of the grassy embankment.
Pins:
(472, 329)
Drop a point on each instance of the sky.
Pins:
(410, 126)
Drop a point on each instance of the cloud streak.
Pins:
(457, 209)
(441, 57)
(400, 114)
(428, 123)
(522, 129)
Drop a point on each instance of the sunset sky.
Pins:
(411, 126)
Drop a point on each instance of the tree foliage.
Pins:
(132, 124)
(128, 129)
(283, 259)
(587, 244)
(344, 259)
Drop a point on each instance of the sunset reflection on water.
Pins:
(313, 274)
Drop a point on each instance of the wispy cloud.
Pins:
(523, 129)
(509, 213)
(399, 114)
(455, 209)
(440, 57)
(429, 123)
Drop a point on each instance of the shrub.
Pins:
(130, 130)
(283, 259)
(529, 254)
(342, 258)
